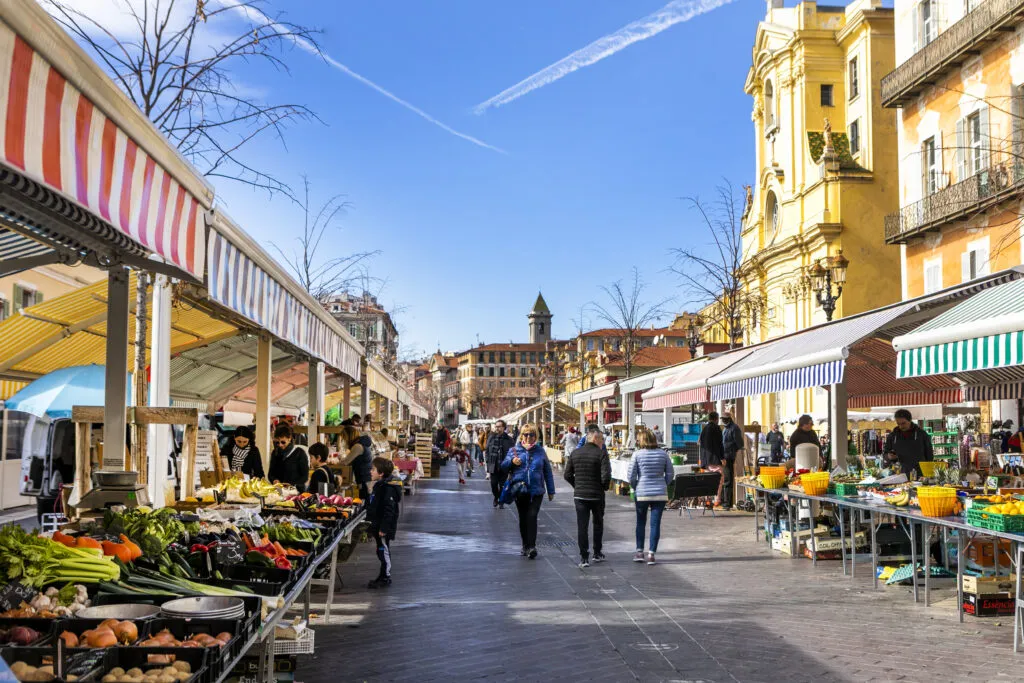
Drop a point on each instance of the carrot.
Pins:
(279, 548)
(247, 542)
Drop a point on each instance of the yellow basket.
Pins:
(815, 483)
(936, 492)
(772, 481)
(937, 507)
(773, 469)
(928, 468)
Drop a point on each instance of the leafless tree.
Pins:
(430, 398)
(628, 312)
(178, 64)
(712, 272)
(319, 275)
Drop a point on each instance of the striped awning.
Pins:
(14, 245)
(687, 383)
(380, 382)
(907, 398)
(983, 333)
(594, 394)
(93, 148)
(10, 387)
(275, 302)
(996, 392)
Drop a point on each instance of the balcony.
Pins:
(987, 23)
(962, 200)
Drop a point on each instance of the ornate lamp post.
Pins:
(828, 275)
(693, 334)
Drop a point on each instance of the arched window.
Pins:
(771, 217)
(769, 106)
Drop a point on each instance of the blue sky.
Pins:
(595, 166)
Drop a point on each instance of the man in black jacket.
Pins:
(498, 446)
(712, 450)
(908, 444)
(589, 472)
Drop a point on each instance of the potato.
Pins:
(41, 675)
(111, 678)
(183, 666)
(182, 676)
(166, 679)
(169, 670)
(136, 671)
(19, 668)
(117, 671)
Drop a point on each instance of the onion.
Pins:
(126, 632)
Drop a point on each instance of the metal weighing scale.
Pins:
(111, 488)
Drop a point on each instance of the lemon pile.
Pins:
(1014, 508)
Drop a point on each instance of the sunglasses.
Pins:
(531, 437)
(281, 442)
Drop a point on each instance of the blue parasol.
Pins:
(54, 394)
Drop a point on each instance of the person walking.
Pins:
(245, 456)
(498, 447)
(777, 442)
(528, 463)
(589, 471)
(657, 434)
(908, 444)
(570, 442)
(711, 451)
(481, 442)
(650, 472)
(732, 445)
(468, 442)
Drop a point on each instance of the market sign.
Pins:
(55, 135)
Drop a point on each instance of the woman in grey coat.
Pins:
(650, 473)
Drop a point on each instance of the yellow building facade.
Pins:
(826, 174)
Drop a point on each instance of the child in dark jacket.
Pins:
(382, 514)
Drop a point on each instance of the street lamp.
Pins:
(826, 273)
(693, 334)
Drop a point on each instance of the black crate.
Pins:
(253, 603)
(147, 658)
(43, 626)
(217, 657)
(87, 665)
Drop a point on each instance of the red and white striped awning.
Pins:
(906, 398)
(56, 135)
(688, 383)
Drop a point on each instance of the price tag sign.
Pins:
(229, 550)
(15, 593)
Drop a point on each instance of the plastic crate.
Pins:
(80, 626)
(994, 521)
(148, 658)
(842, 489)
(43, 626)
(304, 645)
(87, 665)
(217, 658)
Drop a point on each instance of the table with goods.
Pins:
(987, 523)
(206, 593)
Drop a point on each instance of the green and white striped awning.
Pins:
(983, 334)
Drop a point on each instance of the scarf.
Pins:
(238, 456)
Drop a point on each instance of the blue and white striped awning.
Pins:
(14, 245)
(818, 375)
(275, 302)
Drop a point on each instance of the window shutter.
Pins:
(986, 137)
(915, 25)
(981, 260)
(961, 150)
(38, 299)
(939, 165)
(18, 297)
(965, 266)
(4, 310)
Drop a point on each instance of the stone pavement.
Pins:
(718, 607)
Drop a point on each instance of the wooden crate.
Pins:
(424, 444)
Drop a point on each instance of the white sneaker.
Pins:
(638, 556)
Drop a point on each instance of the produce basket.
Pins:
(772, 481)
(772, 469)
(44, 627)
(154, 659)
(304, 645)
(844, 489)
(80, 626)
(216, 657)
(815, 483)
(980, 516)
(87, 665)
(928, 468)
(936, 501)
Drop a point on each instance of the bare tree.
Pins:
(177, 64)
(628, 313)
(321, 276)
(712, 273)
(430, 398)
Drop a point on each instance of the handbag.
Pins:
(514, 487)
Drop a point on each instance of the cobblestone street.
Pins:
(717, 607)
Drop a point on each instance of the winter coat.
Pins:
(441, 438)
(911, 448)
(384, 506)
(800, 436)
(650, 473)
(253, 465)
(290, 466)
(589, 471)
(362, 463)
(482, 440)
(535, 471)
(778, 444)
(710, 441)
(732, 441)
(498, 447)
(322, 475)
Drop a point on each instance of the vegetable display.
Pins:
(37, 561)
(178, 671)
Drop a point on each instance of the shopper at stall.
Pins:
(710, 449)
(804, 433)
(908, 444)
(289, 463)
(322, 480)
(777, 442)
(656, 430)
(245, 456)
(732, 446)
(650, 472)
(359, 456)
(442, 438)
(498, 447)
(589, 471)
(382, 511)
(528, 463)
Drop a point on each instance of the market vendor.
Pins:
(804, 433)
(359, 457)
(245, 456)
(908, 444)
(289, 463)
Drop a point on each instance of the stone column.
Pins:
(116, 373)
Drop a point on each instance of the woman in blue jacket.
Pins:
(528, 463)
(650, 473)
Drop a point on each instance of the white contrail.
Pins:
(671, 14)
(310, 48)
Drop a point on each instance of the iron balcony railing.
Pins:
(987, 22)
(980, 191)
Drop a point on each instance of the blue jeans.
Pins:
(657, 507)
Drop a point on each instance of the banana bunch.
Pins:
(901, 499)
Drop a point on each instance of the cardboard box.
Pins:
(835, 543)
(208, 478)
(993, 605)
(988, 585)
(247, 670)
